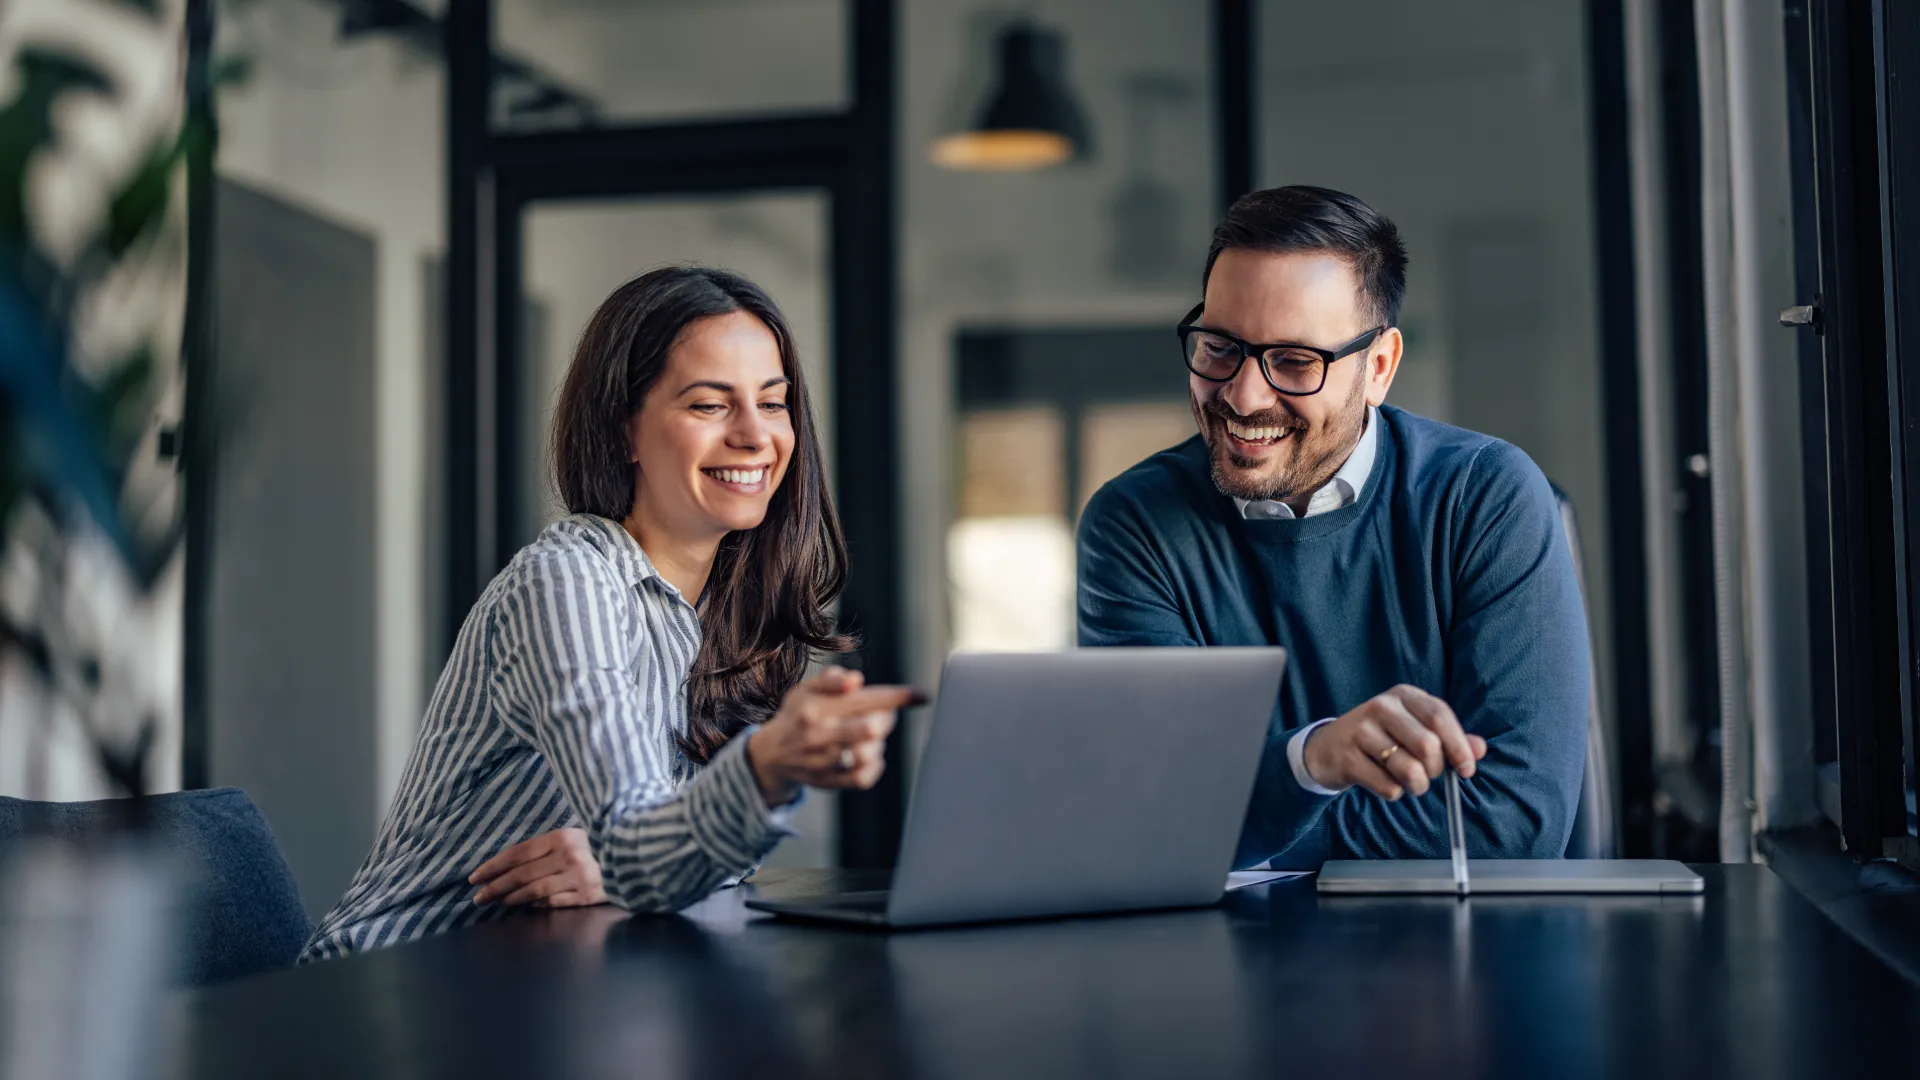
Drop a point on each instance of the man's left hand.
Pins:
(1395, 742)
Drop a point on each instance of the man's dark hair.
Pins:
(1301, 218)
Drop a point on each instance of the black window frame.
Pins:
(1856, 194)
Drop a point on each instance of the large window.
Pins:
(1857, 189)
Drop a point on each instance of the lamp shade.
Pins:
(1030, 120)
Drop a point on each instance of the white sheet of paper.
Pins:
(1240, 879)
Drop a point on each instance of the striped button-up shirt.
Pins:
(558, 708)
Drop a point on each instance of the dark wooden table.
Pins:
(1749, 981)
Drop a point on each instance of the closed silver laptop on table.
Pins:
(1071, 783)
(1494, 877)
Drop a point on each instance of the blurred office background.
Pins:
(414, 207)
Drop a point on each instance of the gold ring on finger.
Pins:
(1389, 752)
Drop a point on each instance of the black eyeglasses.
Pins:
(1294, 370)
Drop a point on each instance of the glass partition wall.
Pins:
(1044, 302)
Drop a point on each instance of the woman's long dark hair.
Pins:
(765, 610)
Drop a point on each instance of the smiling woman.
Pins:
(623, 712)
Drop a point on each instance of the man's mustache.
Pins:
(1266, 418)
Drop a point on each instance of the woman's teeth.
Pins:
(1256, 434)
(738, 476)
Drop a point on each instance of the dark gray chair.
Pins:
(1594, 831)
(242, 912)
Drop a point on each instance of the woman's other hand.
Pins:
(556, 869)
(830, 732)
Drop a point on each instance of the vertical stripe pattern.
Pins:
(558, 708)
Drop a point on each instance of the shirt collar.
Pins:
(1345, 487)
(619, 545)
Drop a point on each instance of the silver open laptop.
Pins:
(1071, 783)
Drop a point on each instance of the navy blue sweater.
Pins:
(1449, 572)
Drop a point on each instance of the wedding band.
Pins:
(1389, 753)
(846, 759)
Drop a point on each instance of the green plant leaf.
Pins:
(120, 402)
(26, 126)
(141, 204)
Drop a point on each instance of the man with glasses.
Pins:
(1415, 572)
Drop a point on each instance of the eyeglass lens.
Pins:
(1214, 357)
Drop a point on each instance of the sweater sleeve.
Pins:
(564, 676)
(1125, 597)
(1123, 594)
(1517, 674)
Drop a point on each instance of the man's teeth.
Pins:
(738, 476)
(1255, 434)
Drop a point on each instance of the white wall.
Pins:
(671, 60)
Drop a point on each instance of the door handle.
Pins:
(1801, 315)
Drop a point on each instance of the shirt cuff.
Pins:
(1297, 758)
(728, 813)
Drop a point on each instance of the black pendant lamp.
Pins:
(1031, 120)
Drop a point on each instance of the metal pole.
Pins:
(469, 48)
(1666, 647)
(1234, 96)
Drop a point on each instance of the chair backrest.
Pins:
(242, 912)
(1594, 831)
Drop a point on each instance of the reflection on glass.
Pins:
(1148, 996)
(652, 1000)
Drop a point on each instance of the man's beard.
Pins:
(1300, 468)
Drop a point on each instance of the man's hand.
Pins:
(1399, 741)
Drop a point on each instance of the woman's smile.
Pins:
(740, 479)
